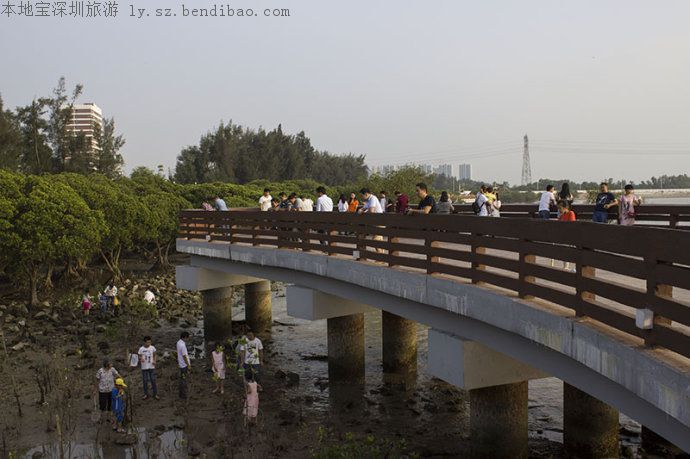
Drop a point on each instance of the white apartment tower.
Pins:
(85, 117)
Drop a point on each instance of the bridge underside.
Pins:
(606, 364)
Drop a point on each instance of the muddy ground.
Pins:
(56, 351)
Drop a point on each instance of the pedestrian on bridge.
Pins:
(565, 194)
(604, 201)
(206, 206)
(219, 203)
(629, 201)
(371, 205)
(323, 204)
(427, 203)
(353, 204)
(265, 200)
(343, 205)
(445, 205)
(307, 204)
(546, 202)
(401, 203)
(565, 214)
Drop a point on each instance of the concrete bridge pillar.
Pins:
(498, 421)
(590, 426)
(346, 349)
(399, 344)
(257, 306)
(217, 310)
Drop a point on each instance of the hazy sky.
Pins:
(601, 87)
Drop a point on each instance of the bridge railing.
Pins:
(616, 275)
(666, 216)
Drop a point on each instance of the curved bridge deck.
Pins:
(615, 322)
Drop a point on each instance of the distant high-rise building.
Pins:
(426, 168)
(85, 117)
(465, 172)
(444, 169)
(385, 169)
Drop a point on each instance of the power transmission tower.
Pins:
(526, 166)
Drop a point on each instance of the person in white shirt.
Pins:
(383, 201)
(343, 205)
(105, 383)
(483, 203)
(371, 205)
(323, 202)
(147, 358)
(307, 205)
(149, 297)
(184, 363)
(546, 201)
(110, 294)
(252, 353)
(265, 200)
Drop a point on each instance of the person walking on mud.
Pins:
(252, 356)
(105, 383)
(110, 293)
(184, 364)
(218, 368)
(147, 358)
(251, 403)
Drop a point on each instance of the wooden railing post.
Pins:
(392, 253)
(583, 272)
(477, 249)
(430, 260)
(209, 231)
(361, 242)
(525, 260)
(655, 288)
(330, 243)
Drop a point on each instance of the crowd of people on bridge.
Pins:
(487, 203)
(604, 203)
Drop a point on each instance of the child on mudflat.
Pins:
(251, 404)
(118, 403)
(218, 357)
(86, 302)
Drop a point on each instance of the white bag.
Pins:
(133, 360)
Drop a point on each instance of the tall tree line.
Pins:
(34, 138)
(232, 153)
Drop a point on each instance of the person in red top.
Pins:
(565, 213)
(402, 202)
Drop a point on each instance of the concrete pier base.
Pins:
(590, 426)
(498, 421)
(217, 310)
(257, 306)
(346, 349)
(399, 344)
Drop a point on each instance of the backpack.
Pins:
(476, 208)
